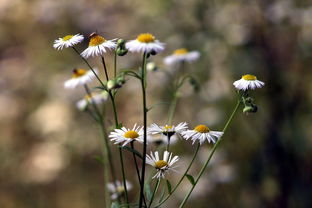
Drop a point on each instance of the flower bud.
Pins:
(111, 84)
(195, 84)
(121, 42)
(250, 109)
(121, 51)
(151, 66)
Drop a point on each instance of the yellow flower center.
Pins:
(160, 164)
(88, 97)
(180, 51)
(96, 40)
(146, 38)
(249, 77)
(131, 134)
(78, 73)
(167, 127)
(202, 129)
(67, 37)
(120, 189)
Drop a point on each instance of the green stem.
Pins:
(172, 107)
(183, 176)
(143, 85)
(168, 144)
(211, 154)
(123, 176)
(115, 64)
(154, 192)
(104, 66)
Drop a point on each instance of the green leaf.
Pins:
(148, 191)
(162, 195)
(133, 151)
(115, 205)
(191, 179)
(169, 186)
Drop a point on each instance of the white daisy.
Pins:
(67, 41)
(167, 130)
(80, 77)
(145, 42)
(98, 46)
(248, 81)
(162, 166)
(181, 55)
(96, 98)
(161, 139)
(117, 189)
(127, 135)
(202, 133)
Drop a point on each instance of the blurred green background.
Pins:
(47, 147)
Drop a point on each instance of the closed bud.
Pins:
(121, 51)
(121, 42)
(151, 66)
(111, 84)
(120, 81)
(195, 84)
(250, 109)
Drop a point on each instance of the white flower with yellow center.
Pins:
(162, 166)
(167, 130)
(181, 55)
(202, 133)
(127, 135)
(67, 41)
(248, 81)
(145, 42)
(117, 189)
(94, 98)
(80, 77)
(98, 46)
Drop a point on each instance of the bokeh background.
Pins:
(47, 147)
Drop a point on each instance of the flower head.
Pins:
(67, 41)
(117, 189)
(202, 133)
(145, 42)
(181, 55)
(127, 135)
(161, 166)
(80, 77)
(161, 139)
(98, 46)
(167, 130)
(248, 81)
(95, 98)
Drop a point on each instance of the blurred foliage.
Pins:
(47, 147)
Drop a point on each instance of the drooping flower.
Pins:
(98, 46)
(145, 42)
(202, 133)
(126, 136)
(117, 189)
(248, 81)
(80, 77)
(67, 41)
(181, 55)
(162, 166)
(94, 98)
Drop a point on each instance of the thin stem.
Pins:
(98, 78)
(154, 192)
(172, 107)
(104, 66)
(143, 85)
(183, 176)
(210, 155)
(168, 144)
(123, 175)
(115, 64)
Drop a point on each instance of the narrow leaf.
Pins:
(162, 195)
(133, 151)
(191, 179)
(148, 191)
(168, 186)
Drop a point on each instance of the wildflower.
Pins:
(167, 130)
(117, 189)
(95, 98)
(161, 139)
(181, 55)
(67, 41)
(80, 77)
(98, 46)
(127, 135)
(202, 133)
(248, 81)
(162, 166)
(145, 42)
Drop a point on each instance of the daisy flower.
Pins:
(117, 189)
(96, 98)
(248, 81)
(181, 55)
(161, 139)
(127, 135)
(167, 130)
(162, 166)
(202, 133)
(145, 42)
(98, 46)
(67, 41)
(80, 77)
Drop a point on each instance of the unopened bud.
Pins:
(110, 84)
(151, 66)
(121, 51)
(250, 109)
(121, 42)
(195, 84)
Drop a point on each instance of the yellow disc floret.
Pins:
(160, 164)
(249, 77)
(67, 37)
(202, 129)
(96, 40)
(120, 189)
(131, 134)
(146, 38)
(167, 127)
(78, 73)
(180, 51)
